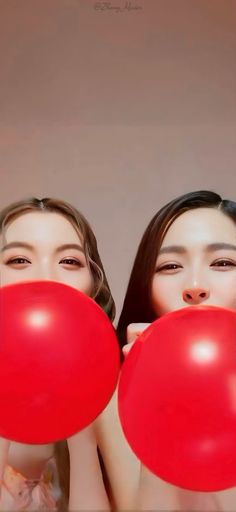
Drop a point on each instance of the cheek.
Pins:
(227, 293)
(10, 276)
(82, 281)
(164, 296)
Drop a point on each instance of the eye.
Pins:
(19, 260)
(224, 263)
(168, 268)
(72, 262)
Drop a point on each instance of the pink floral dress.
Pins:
(23, 494)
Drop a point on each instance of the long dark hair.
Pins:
(137, 303)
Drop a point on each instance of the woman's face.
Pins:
(196, 263)
(44, 246)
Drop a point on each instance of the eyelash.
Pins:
(24, 261)
(73, 262)
(223, 263)
(168, 266)
(19, 260)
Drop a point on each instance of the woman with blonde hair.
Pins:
(50, 239)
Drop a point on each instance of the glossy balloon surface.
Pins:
(59, 361)
(177, 398)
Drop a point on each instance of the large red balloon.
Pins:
(177, 398)
(59, 361)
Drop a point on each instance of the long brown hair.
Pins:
(101, 291)
(137, 305)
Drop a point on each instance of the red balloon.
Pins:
(177, 398)
(59, 361)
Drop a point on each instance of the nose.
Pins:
(195, 296)
(45, 272)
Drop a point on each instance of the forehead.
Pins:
(201, 225)
(40, 226)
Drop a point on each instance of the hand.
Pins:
(133, 332)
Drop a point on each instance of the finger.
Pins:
(127, 348)
(134, 330)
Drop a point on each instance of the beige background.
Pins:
(117, 112)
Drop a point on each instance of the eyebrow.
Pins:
(180, 249)
(14, 245)
(25, 245)
(65, 247)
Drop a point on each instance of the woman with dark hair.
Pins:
(49, 239)
(187, 256)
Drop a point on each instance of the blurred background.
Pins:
(117, 107)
